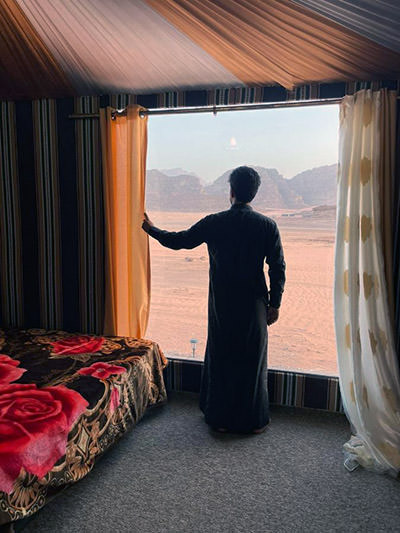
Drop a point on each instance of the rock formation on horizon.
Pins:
(170, 190)
(317, 186)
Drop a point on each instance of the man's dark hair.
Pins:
(245, 182)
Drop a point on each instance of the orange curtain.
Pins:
(124, 147)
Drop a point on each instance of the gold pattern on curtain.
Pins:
(368, 366)
(124, 147)
(28, 69)
(277, 41)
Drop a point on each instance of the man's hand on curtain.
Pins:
(272, 315)
(147, 223)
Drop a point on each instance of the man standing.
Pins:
(234, 393)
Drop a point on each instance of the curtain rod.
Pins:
(217, 108)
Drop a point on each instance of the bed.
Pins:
(64, 400)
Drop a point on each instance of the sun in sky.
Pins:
(233, 143)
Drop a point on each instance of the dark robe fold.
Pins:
(234, 392)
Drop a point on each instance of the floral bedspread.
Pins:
(64, 400)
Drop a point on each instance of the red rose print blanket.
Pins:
(65, 399)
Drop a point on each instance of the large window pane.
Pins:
(189, 160)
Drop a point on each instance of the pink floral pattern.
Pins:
(101, 370)
(77, 344)
(9, 370)
(34, 427)
(114, 399)
(54, 425)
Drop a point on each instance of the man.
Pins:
(234, 394)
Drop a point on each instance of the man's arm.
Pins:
(276, 273)
(176, 240)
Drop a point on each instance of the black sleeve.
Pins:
(189, 238)
(274, 258)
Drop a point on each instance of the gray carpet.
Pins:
(173, 474)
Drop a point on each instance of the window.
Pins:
(189, 160)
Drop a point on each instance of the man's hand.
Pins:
(272, 315)
(147, 223)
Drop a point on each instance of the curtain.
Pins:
(386, 177)
(396, 240)
(127, 293)
(368, 370)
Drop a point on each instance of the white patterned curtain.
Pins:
(368, 367)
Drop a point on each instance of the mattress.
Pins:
(64, 400)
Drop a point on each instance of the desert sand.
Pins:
(303, 338)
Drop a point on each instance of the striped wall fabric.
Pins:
(10, 220)
(51, 200)
(48, 211)
(285, 388)
(90, 216)
(248, 95)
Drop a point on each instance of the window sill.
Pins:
(296, 389)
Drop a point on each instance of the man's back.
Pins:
(239, 241)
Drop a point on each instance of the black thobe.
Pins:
(234, 392)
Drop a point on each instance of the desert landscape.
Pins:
(302, 340)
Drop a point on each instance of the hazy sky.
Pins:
(290, 140)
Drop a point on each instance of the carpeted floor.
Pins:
(173, 474)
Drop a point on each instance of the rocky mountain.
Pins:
(177, 172)
(179, 190)
(182, 192)
(316, 186)
(274, 191)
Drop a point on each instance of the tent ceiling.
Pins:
(106, 46)
(277, 41)
(55, 48)
(376, 20)
(27, 68)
